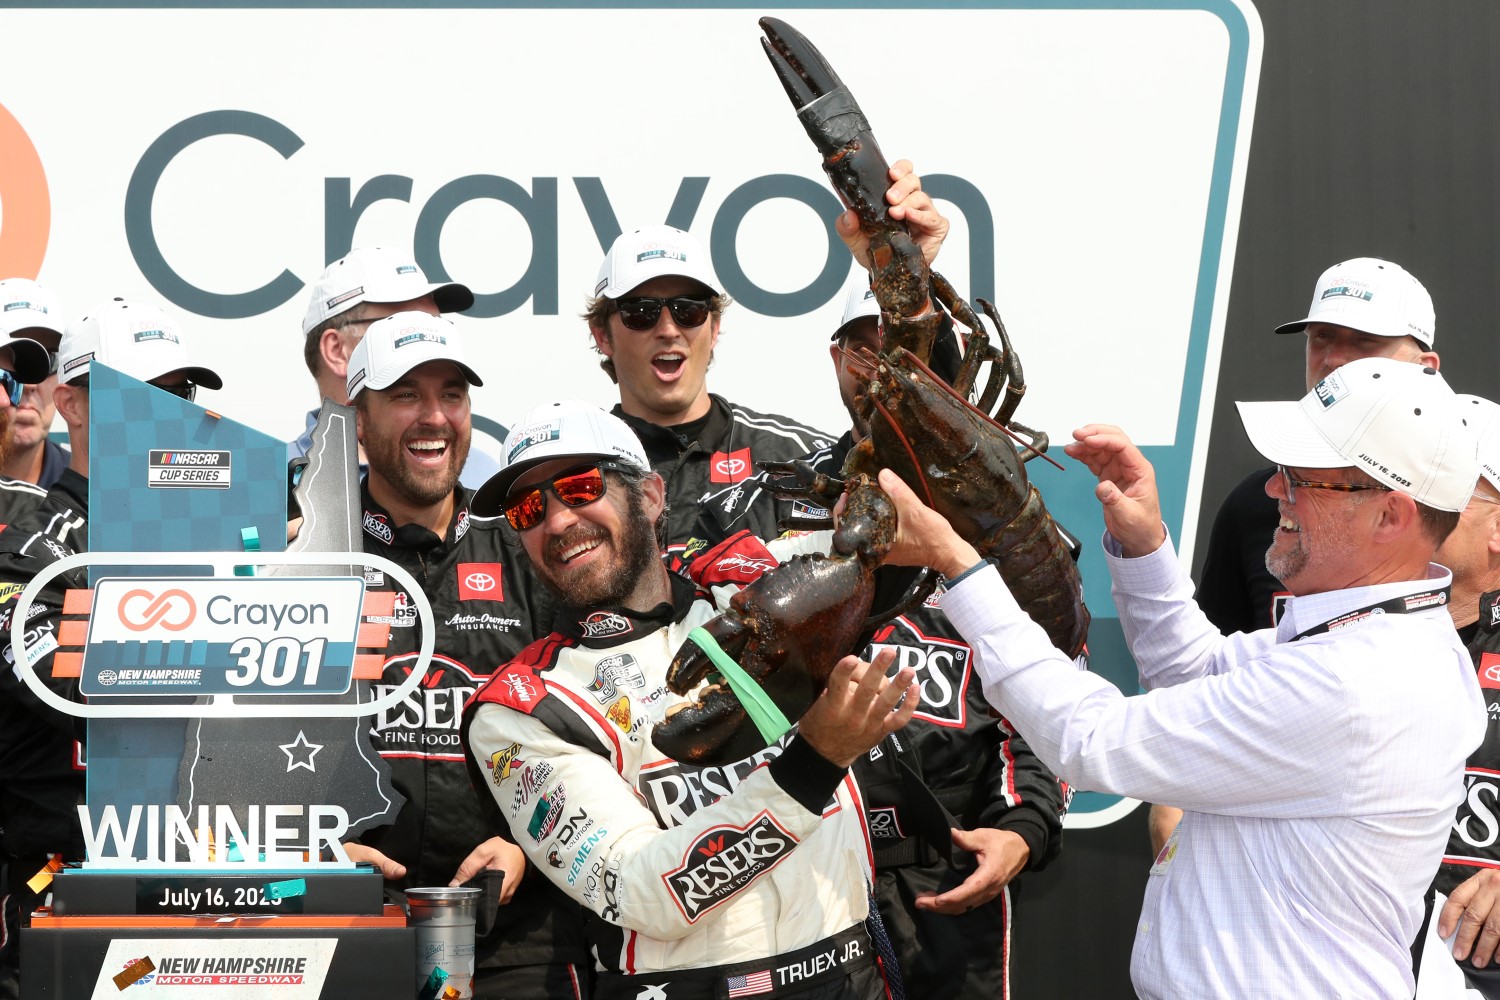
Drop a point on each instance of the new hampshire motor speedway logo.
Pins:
(201, 636)
(227, 967)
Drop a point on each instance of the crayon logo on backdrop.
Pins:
(25, 205)
(138, 618)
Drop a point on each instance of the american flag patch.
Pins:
(749, 986)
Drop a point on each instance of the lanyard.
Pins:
(1394, 606)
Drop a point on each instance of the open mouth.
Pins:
(669, 364)
(572, 552)
(427, 450)
(575, 546)
(1287, 524)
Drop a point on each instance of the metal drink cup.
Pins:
(444, 922)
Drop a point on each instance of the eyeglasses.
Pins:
(1290, 485)
(183, 390)
(642, 312)
(576, 487)
(13, 387)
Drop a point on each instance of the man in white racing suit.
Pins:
(745, 880)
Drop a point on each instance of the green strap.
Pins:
(762, 710)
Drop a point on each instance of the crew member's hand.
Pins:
(1127, 487)
(858, 708)
(293, 527)
(494, 853)
(1475, 901)
(909, 204)
(1001, 855)
(387, 868)
(923, 536)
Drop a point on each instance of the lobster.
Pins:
(786, 631)
(963, 462)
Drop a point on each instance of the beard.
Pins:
(1286, 565)
(1334, 542)
(419, 487)
(609, 585)
(5, 435)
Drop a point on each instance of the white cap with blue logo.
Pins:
(1372, 296)
(376, 274)
(1397, 422)
(653, 252)
(137, 338)
(395, 345)
(566, 429)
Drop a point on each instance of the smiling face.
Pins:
(602, 553)
(662, 371)
(416, 436)
(1321, 534)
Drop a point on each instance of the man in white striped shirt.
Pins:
(1318, 762)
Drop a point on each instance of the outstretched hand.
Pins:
(859, 708)
(909, 204)
(1127, 487)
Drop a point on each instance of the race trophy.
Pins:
(224, 678)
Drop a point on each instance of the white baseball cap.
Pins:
(859, 302)
(566, 429)
(1484, 420)
(136, 338)
(1371, 296)
(376, 274)
(395, 345)
(26, 305)
(653, 252)
(1398, 422)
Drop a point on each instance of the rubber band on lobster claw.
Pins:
(773, 725)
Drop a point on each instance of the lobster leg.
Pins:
(809, 483)
(1007, 374)
(919, 590)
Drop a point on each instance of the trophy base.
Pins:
(216, 892)
(291, 956)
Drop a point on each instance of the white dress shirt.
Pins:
(1319, 776)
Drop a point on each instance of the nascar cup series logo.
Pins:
(201, 636)
(25, 205)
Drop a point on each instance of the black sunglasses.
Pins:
(183, 390)
(641, 312)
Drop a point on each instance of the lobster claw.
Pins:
(714, 730)
(804, 72)
(831, 116)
